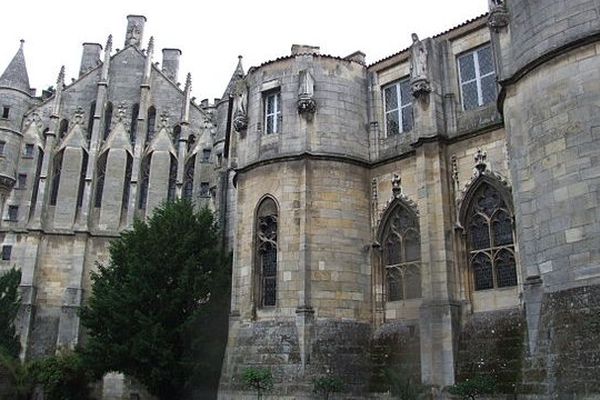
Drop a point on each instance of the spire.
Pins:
(237, 75)
(60, 81)
(188, 82)
(185, 115)
(148, 65)
(106, 63)
(150, 49)
(15, 76)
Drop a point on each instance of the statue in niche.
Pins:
(240, 104)
(306, 92)
(134, 34)
(419, 79)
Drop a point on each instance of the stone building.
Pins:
(435, 213)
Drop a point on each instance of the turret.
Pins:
(170, 63)
(15, 99)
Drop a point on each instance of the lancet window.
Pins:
(402, 254)
(266, 251)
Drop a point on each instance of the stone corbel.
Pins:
(240, 121)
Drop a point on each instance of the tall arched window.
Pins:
(266, 251)
(176, 134)
(402, 254)
(84, 162)
(63, 128)
(91, 118)
(172, 190)
(107, 119)
(150, 123)
(490, 239)
(100, 174)
(188, 178)
(144, 181)
(135, 113)
(56, 170)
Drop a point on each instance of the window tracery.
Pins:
(266, 251)
(490, 240)
(402, 254)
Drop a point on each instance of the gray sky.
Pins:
(212, 33)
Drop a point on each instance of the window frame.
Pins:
(267, 211)
(2, 147)
(26, 153)
(13, 209)
(6, 253)
(5, 112)
(478, 77)
(400, 107)
(276, 114)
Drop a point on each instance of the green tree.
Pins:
(326, 385)
(9, 307)
(63, 376)
(161, 275)
(258, 379)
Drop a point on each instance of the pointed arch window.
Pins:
(188, 178)
(63, 128)
(151, 123)
(266, 251)
(144, 182)
(91, 119)
(84, 162)
(172, 190)
(56, 170)
(135, 113)
(101, 173)
(490, 240)
(107, 119)
(402, 254)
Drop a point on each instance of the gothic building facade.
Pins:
(435, 213)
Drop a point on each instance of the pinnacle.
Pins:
(15, 76)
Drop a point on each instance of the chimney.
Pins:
(357, 56)
(170, 63)
(304, 49)
(135, 30)
(90, 58)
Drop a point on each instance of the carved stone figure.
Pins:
(498, 17)
(418, 68)
(134, 34)
(240, 115)
(306, 91)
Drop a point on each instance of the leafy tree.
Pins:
(258, 379)
(63, 376)
(9, 307)
(470, 389)
(19, 380)
(161, 275)
(326, 385)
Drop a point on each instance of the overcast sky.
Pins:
(211, 34)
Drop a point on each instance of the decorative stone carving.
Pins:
(240, 116)
(419, 79)
(480, 164)
(164, 120)
(121, 111)
(306, 91)
(396, 188)
(78, 116)
(6, 184)
(134, 34)
(498, 17)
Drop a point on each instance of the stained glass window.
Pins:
(397, 101)
(477, 78)
(266, 241)
(402, 255)
(491, 243)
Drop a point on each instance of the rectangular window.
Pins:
(397, 102)
(6, 252)
(5, 112)
(204, 189)
(2, 145)
(13, 213)
(477, 78)
(205, 155)
(22, 181)
(28, 152)
(272, 104)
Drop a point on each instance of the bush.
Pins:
(258, 379)
(63, 377)
(471, 388)
(327, 385)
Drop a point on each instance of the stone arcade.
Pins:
(436, 212)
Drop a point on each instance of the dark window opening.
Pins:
(151, 122)
(13, 213)
(63, 128)
(5, 112)
(101, 175)
(6, 252)
(56, 170)
(28, 150)
(22, 181)
(135, 113)
(107, 119)
(266, 252)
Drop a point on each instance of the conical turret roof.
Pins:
(15, 75)
(237, 75)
